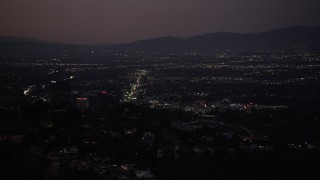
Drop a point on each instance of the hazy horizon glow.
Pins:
(116, 21)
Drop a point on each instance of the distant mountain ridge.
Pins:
(277, 39)
(23, 46)
(282, 38)
(16, 39)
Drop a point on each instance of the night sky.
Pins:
(114, 21)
